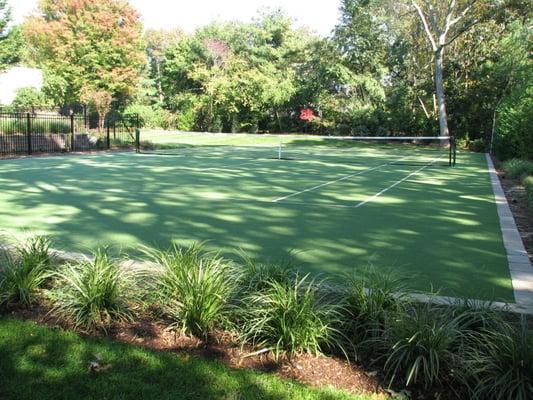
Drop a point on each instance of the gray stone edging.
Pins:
(519, 264)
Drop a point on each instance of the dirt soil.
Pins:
(523, 214)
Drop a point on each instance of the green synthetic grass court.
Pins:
(337, 206)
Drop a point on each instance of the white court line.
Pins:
(334, 181)
(372, 198)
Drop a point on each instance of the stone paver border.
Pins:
(519, 264)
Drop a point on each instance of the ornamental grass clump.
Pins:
(194, 288)
(24, 271)
(94, 294)
(498, 363)
(423, 346)
(370, 298)
(256, 276)
(288, 319)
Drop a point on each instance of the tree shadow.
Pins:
(39, 362)
(440, 227)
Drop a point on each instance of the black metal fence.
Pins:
(30, 133)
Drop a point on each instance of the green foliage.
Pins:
(477, 145)
(94, 293)
(23, 273)
(422, 345)
(12, 47)
(194, 288)
(290, 318)
(231, 76)
(361, 36)
(517, 168)
(527, 181)
(94, 44)
(29, 97)
(5, 16)
(256, 276)
(19, 125)
(514, 136)
(152, 116)
(371, 297)
(499, 363)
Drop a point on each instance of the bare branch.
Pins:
(426, 26)
(463, 13)
(461, 31)
(448, 23)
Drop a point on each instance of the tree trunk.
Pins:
(159, 86)
(439, 85)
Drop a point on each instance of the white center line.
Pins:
(372, 198)
(335, 181)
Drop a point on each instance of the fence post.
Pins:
(71, 132)
(28, 127)
(108, 137)
(137, 140)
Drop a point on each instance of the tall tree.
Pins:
(157, 43)
(5, 16)
(443, 22)
(87, 44)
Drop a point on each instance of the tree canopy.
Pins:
(409, 67)
(87, 44)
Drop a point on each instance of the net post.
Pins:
(137, 140)
(454, 151)
(450, 151)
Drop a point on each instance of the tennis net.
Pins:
(414, 150)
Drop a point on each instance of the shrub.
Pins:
(528, 184)
(152, 116)
(22, 274)
(514, 137)
(195, 288)
(255, 276)
(499, 363)
(371, 297)
(18, 125)
(94, 293)
(477, 145)
(475, 316)
(27, 97)
(517, 168)
(423, 345)
(289, 319)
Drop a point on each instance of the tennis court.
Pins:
(337, 205)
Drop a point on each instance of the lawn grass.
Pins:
(43, 363)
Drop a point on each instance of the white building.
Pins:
(18, 77)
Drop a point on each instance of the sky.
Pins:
(319, 15)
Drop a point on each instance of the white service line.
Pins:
(334, 181)
(372, 198)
